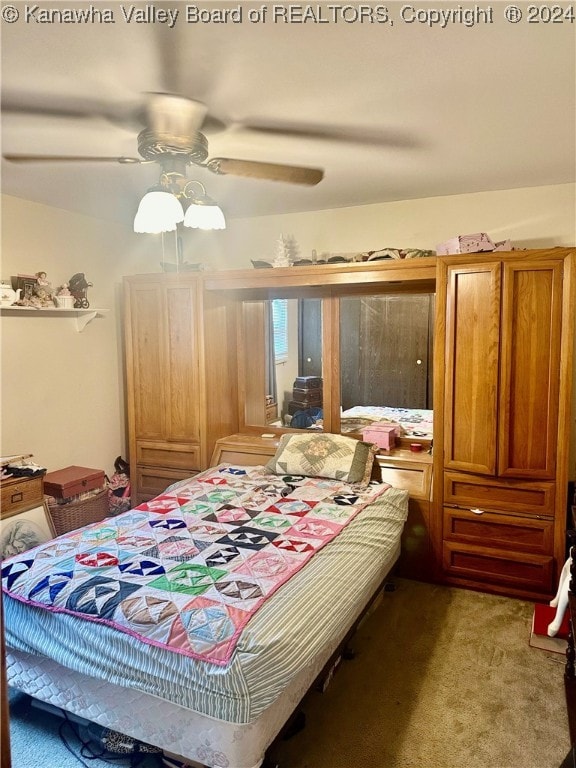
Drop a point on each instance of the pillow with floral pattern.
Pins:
(324, 455)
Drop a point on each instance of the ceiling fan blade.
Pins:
(70, 159)
(127, 114)
(369, 136)
(253, 169)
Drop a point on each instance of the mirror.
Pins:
(385, 366)
(386, 345)
(281, 381)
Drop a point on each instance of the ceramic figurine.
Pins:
(560, 600)
(64, 298)
(8, 295)
(41, 278)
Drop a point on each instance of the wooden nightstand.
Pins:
(18, 494)
(24, 516)
(271, 412)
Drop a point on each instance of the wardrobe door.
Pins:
(181, 369)
(163, 382)
(146, 343)
(164, 361)
(530, 369)
(472, 357)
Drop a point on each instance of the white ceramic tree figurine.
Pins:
(292, 248)
(286, 251)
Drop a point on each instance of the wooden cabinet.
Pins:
(505, 339)
(503, 332)
(181, 377)
(412, 472)
(25, 519)
(502, 368)
(18, 494)
(246, 450)
(271, 412)
(165, 362)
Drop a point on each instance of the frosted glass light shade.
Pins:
(204, 216)
(158, 212)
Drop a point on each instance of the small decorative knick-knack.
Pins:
(64, 297)
(287, 251)
(78, 286)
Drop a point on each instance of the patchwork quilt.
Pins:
(187, 570)
(413, 422)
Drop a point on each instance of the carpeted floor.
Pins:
(442, 678)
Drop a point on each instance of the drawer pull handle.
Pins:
(16, 497)
(477, 511)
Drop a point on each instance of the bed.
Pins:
(413, 422)
(217, 693)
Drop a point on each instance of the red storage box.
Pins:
(72, 481)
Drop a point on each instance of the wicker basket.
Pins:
(76, 514)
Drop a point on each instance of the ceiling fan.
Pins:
(172, 137)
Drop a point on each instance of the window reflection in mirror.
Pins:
(386, 344)
(282, 365)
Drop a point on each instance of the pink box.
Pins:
(475, 243)
(383, 435)
(503, 245)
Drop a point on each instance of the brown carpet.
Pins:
(442, 678)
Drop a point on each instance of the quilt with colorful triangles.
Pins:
(187, 570)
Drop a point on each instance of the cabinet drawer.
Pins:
(494, 531)
(159, 454)
(513, 570)
(231, 455)
(21, 492)
(413, 477)
(151, 482)
(248, 450)
(536, 498)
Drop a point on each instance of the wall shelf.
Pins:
(81, 317)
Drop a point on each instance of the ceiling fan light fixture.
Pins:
(159, 211)
(202, 212)
(204, 216)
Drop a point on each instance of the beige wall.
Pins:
(536, 217)
(62, 393)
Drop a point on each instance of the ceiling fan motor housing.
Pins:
(154, 145)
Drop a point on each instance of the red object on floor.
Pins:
(544, 615)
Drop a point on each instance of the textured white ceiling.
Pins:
(390, 111)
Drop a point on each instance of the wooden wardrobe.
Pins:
(181, 377)
(491, 514)
(504, 353)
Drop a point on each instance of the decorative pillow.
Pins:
(324, 455)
